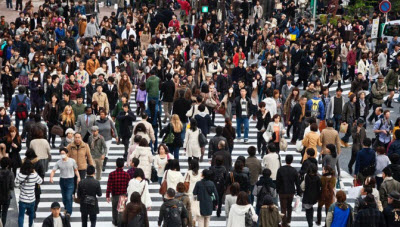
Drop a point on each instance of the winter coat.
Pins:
(132, 210)
(173, 178)
(204, 122)
(184, 198)
(349, 112)
(268, 218)
(142, 187)
(392, 79)
(82, 156)
(312, 190)
(191, 143)
(89, 187)
(164, 212)
(73, 87)
(49, 221)
(204, 189)
(36, 92)
(388, 185)
(378, 92)
(237, 215)
(255, 169)
(358, 138)
(145, 160)
(125, 123)
(340, 215)
(241, 177)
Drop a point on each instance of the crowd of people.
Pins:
(79, 77)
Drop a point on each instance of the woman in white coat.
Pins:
(237, 213)
(192, 176)
(191, 144)
(173, 174)
(143, 153)
(363, 66)
(139, 184)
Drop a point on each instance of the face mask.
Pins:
(363, 196)
(35, 79)
(230, 90)
(63, 156)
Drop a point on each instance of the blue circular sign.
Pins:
(385, 6)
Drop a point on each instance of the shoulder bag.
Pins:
(187, 182)
(228, 188)
(202, 139)
(164, 186)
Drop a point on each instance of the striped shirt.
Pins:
(27, 186)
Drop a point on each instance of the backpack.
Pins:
(4, 188)
(219, 178)
(137, 221)
(173, 217)
(315, 108)
(261, 194)
(22, 109)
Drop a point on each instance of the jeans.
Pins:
(17, 120)
(114, 202)
(344, 69)
(92, 217)
(67, 189)
(4, 211)
(245, 122)
(30, 207)
(337, 120)
(174, 151)
(9, 5)
(183, 131)
(160, 180)
(286, 208)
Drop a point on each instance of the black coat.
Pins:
(49, 222)
(262, 121)
(242, 178)
(181, 107)
(312, 190)
(13, 153)
(287, 180)
(238, 107)
(204, 123)
(227, 159)
(111, 95)
(90, 90)
(296, 56)
(238, 73)
(177, 136)
(125, 123)
(167, 91)
(89, 187)
(296, 113)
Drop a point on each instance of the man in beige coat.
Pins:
(101, 98)
(330, 136)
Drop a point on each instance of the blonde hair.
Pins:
(68, 118)
(176, 123)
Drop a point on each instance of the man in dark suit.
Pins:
(35, 21)
(246, 42)
(112, 92)
(19, 20)
(305, 67)
(191, 64)
(296, 57)
(222, 151)
(230, 44)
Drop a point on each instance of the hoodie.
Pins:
(237, 215)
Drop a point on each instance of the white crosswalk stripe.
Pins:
(51, 192)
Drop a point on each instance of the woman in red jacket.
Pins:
(238, 56)
(73, 86)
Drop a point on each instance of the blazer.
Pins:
(81, 124)
(112, 95)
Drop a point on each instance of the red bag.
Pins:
(356, 183)
(322, 125)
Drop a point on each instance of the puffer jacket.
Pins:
(145, 159)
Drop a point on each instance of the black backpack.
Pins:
(22, 109)
(173, 218)
(219, 178)
(4, 188)
(261, 194)
(138, 220)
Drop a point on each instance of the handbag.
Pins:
(221, 110)
(299, 146)
(202, 139)
(267, 136)
(343, 127)
(164, 186)
(170, 137)
(121, 203)
(228, 188)
(57, 130)
(195, 205)
(283, 145)
(248, 219)
(211, 103)
(322, 125)
(187, 183)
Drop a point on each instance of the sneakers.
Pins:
(238, 139)
(246, 141)
(344, 144)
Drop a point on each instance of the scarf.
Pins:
(93, 141)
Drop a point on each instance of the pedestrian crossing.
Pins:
(51, 192)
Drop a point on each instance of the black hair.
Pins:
(310, 152)
(394, 158)
(289, 159)
(207, 174)
(387, 171)
(135, 161)
(194, 166)
(5, 162)
(251, 151)
(219, 160)
(332, 149)
(193, 124)
(329, 123)
(30, 154)
(266, 173)
(63, 149)
(90, 170)
(138, 173)
(367, 142)
(120, 162)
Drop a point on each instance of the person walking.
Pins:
(206, 194)
(7, 182)
(85, 122)
(269, 214)
(378, 90)
(328, 183)
(88, 189)
(191, 143)
(392, 211)
(98, 150)
(312, 191)
(172, 211)
(117, 184)
(125, 118)
(365, 162)
(143, 153)
(359, 134)
(26, 180)
(287, 183)
(369, 215)
(135, 209)
(254, 166)
(242, 212)
(175, 127)
(242, 113)
(55, 218)
(68, 170)
(340, 213)
(388, 185)
(50, 116)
